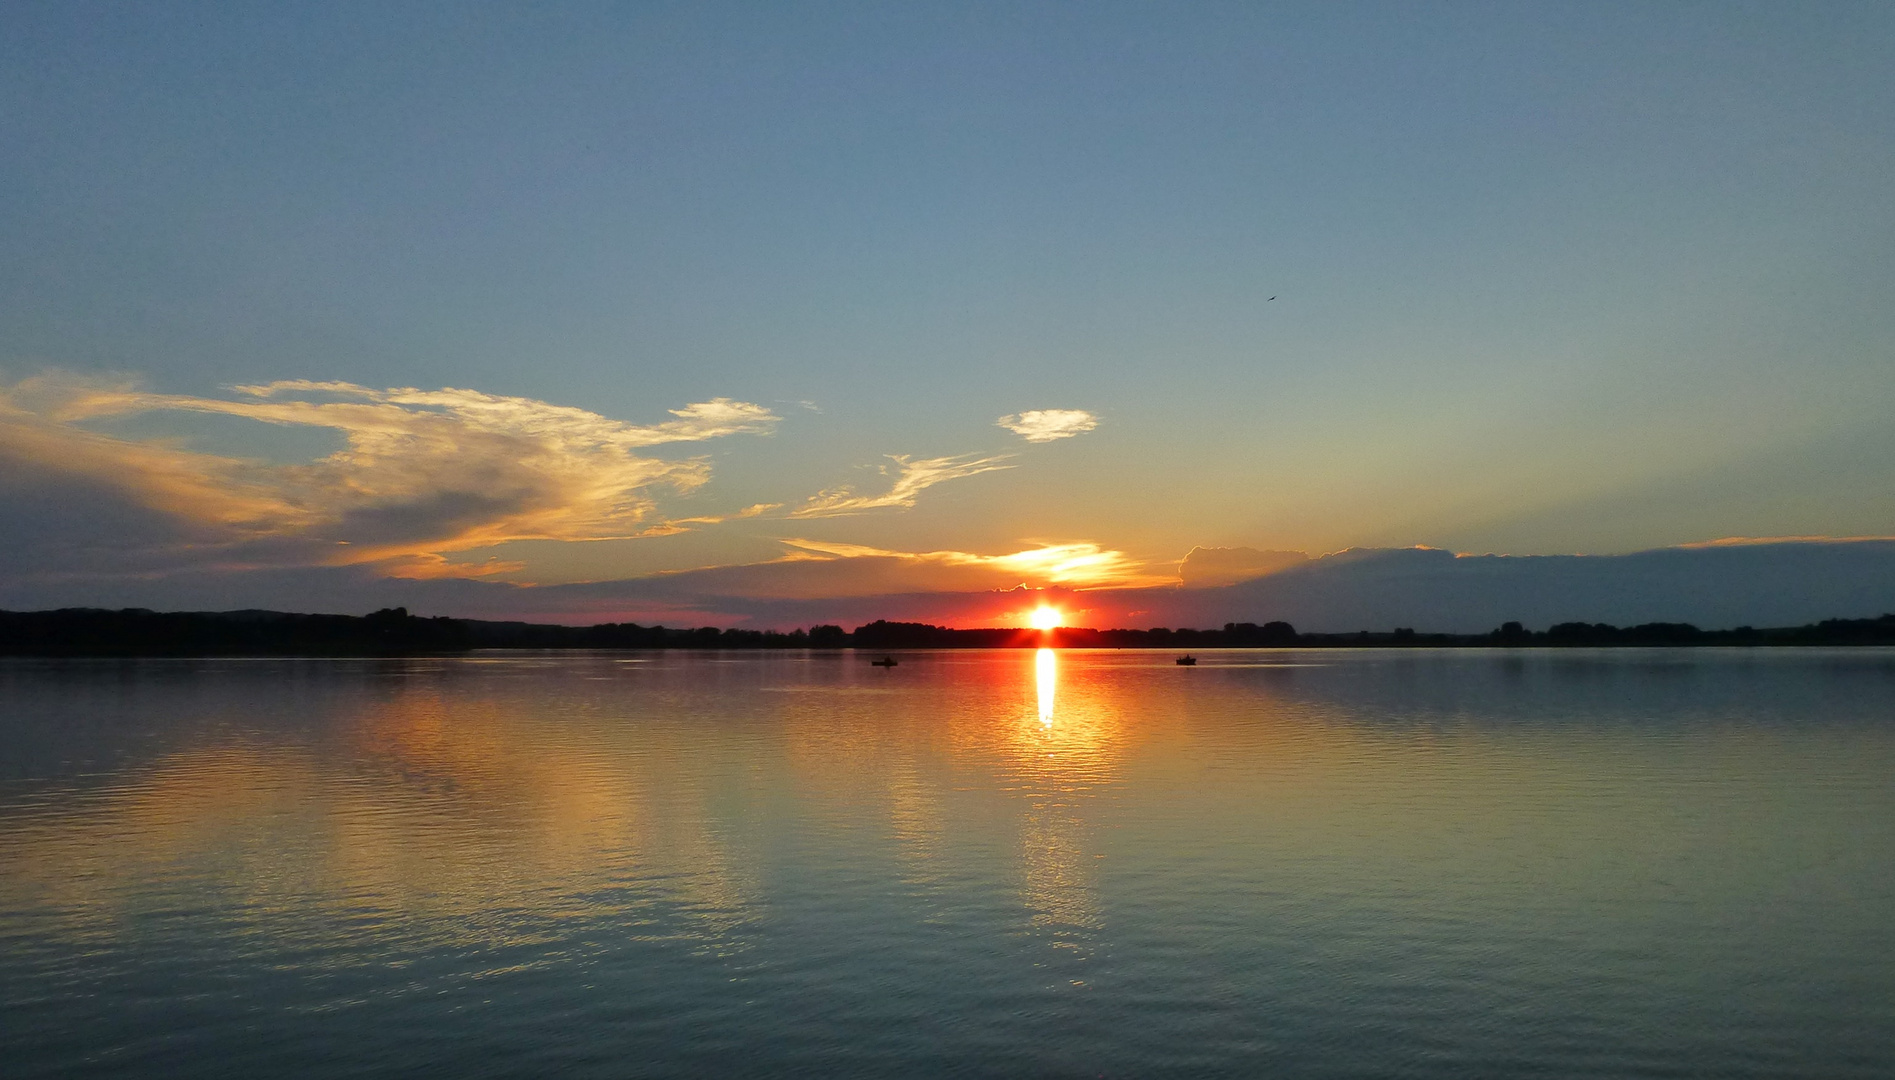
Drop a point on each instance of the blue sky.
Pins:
(1548, 278)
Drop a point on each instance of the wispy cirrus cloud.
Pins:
(753, 510)
(421, 472)
(911, 478)
(1046, 425)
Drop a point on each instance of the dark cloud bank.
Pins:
(1764, 584)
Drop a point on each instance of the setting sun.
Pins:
(1046, 618)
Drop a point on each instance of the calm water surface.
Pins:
(1377, 863)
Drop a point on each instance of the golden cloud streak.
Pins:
(422, 472)
(1081, 565)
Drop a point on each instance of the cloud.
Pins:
(1781, 584)
(676, 525)
(428, 567)
(1771, 584)
(911, 479)
(815, 571)
(420, 472)
(1045, 425)
(367, 413)
(1077, 565)
(1756, 541)
(1206, 567)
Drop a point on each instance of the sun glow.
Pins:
(1047, 618)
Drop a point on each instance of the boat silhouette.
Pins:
(1187, 661)
(886, 661)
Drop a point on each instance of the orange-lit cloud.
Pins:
(1759, 541)
(1046, 425)
(421, 472)
(816, 570)
(755, 510)
(911, 479)
(1080, 566)
(1206, 567)
(430, 566)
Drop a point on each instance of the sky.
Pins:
(852, 299)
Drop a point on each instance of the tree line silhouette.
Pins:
(395, 632)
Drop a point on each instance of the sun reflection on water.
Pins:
(1046, 668)
(1060, 763)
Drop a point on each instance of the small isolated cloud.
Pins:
(911, 479)
(1045, 425)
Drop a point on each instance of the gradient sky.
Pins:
(1547, 278)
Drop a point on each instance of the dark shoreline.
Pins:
(136, 632)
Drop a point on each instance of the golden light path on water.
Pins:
(1047, 670)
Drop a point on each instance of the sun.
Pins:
(1046, 618)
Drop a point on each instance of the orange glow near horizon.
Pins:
(1046, 618)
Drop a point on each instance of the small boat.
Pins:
(1187, 661)
(886, 661)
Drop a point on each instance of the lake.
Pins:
(1331, 863)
